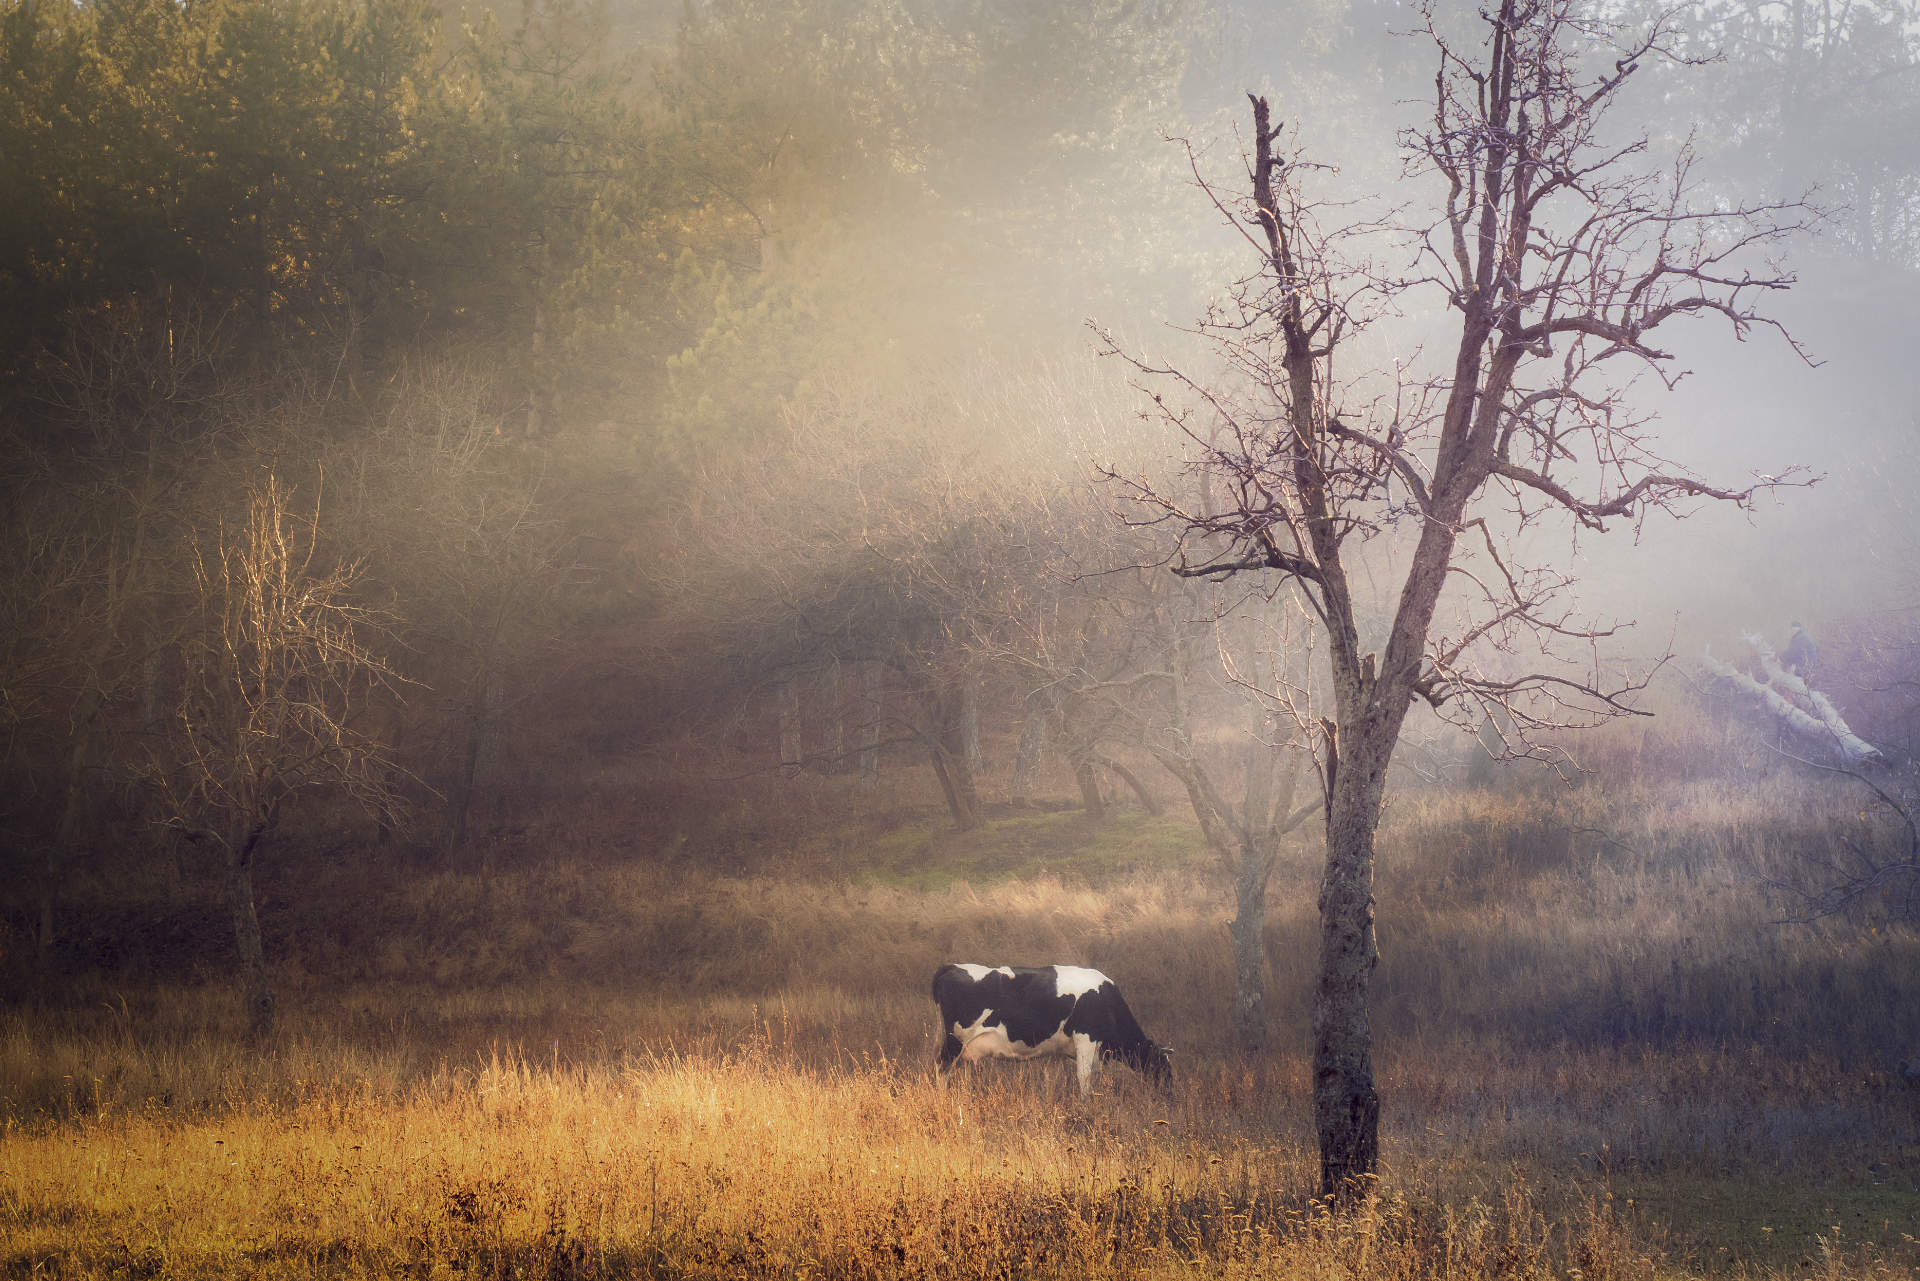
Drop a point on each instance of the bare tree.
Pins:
(875, 538)
(448, 502)
(59, 635)
(1791, 703)
(1256, 666)
(1131, 660)
(1873, 864)
(278, 656)
(92, 512)
(1559, 253)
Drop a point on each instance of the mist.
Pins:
(565, 528)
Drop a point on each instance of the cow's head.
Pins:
(1151, 1061)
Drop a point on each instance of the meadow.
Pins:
(668, 1049)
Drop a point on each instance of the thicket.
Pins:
(503, 316)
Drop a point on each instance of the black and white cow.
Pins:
(1020, 1012)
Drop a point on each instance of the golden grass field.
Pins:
(1600, 1055)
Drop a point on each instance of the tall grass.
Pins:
(742, 1165)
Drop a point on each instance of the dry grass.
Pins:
(740, 1165)
(1600, 1056)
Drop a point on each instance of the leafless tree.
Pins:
(92, 514)
(447, 503)
(1872, 860)
(1134, 661)
(1875, 866)
(278, 655)
(1560, 254)
(59, 610)
(1259, 666)
(868, 532)
(1793, 705)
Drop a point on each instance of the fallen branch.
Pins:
(1822, 725)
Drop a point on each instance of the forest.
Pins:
(561, 557)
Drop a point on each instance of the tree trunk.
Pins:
(1246, 849)
(970, 725)
(871, 694)
(61, 848)
(249, 952)
(1346, 1107)
(1027, 756)
(1248, 1015)
(833, 701)
(945, 737)
(956, 783)
(1148, 801)
(1089, 780)
(479, 730)
(789, 697)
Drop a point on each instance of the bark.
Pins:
(1245, 848)
(947, 749)
(1266, 801)
(789, 702)
(1346, 1106)
(871, 695)
(250, 954)
(1089, 781)
(833, 692)
(1027, 756)
(1148, 801)
(970, 726)
(1248, 1013)
(957, 785)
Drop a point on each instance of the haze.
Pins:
(562, 558)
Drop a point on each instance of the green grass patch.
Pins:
(928, 855)
(1754, 1220)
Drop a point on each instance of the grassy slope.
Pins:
(1596, 1051)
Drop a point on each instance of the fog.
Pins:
(632, 364)
(577, 523)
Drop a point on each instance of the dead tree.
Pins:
(1244, 837)
(1875, 866)
(278, 654)
(1559, 255)
(1872, 863)
(1795, 706)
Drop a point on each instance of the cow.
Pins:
(1021, 1012)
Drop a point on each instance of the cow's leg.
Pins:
(949, 1051)
(1086, 1057)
